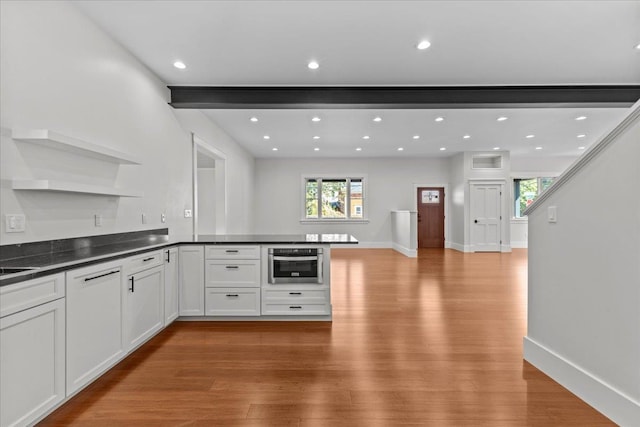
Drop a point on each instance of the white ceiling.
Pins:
(373, 43)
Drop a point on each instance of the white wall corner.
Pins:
(411, 253)
(621, 409)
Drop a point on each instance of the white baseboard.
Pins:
(621, 409)
(523, 244)
(459, 247)
(505, 248)
(411, 253)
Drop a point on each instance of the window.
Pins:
(334, 198)
(526, 190)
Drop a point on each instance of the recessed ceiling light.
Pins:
(424, 44)
(400, 149)
(502, 118)
(266, 137)
(274, 149)
(377, 119)
(316, 137)
(313, 65)
(439, 119)
(530, 136)
(365, 137)
(581, 117)
(443, 148)
(316, 149)
(582, 135)
(416, 136)
(496, 148)
(180, 65)
(315, 119)
(538, 148)
(467, 136)
(637, 46)
(581, 148)
(358, 149)
(254, 119)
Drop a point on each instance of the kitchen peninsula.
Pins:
(91, 301)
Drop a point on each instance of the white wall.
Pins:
(390, 186)
(584, 281)
(457, 202)
(61, 72)
(206, 201)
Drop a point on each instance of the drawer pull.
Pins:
(132, 284)
(233, 295)
(102, 275)
(148, 259)
(295, 307)
(232, 267)
(295, 293)
(169, 256)
(231, 251)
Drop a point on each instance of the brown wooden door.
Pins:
(431, 217)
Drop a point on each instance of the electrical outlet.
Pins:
(144, 218)
(163, 218)
(15, 223)
(188, 213)
(98, 220)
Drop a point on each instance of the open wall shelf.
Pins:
(71, 187)
(58, 141)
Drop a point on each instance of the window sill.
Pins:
(523, 220)
(334, 221)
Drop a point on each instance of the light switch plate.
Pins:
(552, 214)
(188, 213)
(98, 220)
(163, 218)
(144, 218)
(15, 223)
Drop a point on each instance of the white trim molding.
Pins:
(411, 253)
(614, 404)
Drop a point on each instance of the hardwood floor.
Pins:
(432, 341)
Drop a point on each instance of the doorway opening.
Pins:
(430, 202)
(209, 189)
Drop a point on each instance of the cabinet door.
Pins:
(144, 305)
(94, 322)
(31, 363)
(191, 280)
(171, 279)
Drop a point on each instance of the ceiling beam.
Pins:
(402, 97)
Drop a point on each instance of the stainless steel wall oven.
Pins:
(295, 265)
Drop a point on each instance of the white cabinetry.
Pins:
(232, 276)
(144, 298)
(171, 280)
(94, 322)
(32, 359)
(191, 280)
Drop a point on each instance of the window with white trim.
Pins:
(334, 198)
(526, 190)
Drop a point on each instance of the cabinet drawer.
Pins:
(295, 297)
(232, 252)
(237, 273)
(296, 309)
(144, 261)
(232, 302)
(30, 293)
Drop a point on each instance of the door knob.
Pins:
(475, 220)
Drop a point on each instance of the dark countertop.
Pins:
(67, 254)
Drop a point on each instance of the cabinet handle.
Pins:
(168, 256)
(132, 284)
(233, 295)
(102, 275)
(148, 259)
(295, 293)
(232, 267)
(295, 307)
(231, 251)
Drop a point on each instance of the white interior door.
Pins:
(486, 219)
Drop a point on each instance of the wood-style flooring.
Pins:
(432, 341)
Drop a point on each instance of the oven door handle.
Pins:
(295, 258)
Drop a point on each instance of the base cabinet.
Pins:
(232, 301)
(144, 305)
(171, 280)
(32, 363)
(94, 322)
(191, 280)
